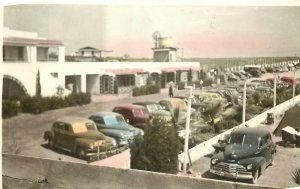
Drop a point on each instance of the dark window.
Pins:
(125, 80)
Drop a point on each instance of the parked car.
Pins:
(153, 108)
(288, 80)
(240, 75)
(78, 136)
(211, 98)
(134, 114)
(231, 77)
(195, 103)
(113, 125)
(174, 104)
(247, 153)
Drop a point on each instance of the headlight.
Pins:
(249, 167)
(114, 142)
(214, 161)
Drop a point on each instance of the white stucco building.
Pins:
(25, 54)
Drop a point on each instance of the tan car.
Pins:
(78, 136)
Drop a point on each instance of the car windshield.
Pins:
(90, 126)
(113, 120)
(244, 139)
(153, 107)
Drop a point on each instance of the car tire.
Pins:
(255, 176)
(50, 142)
(81, 153)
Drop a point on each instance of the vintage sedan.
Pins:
(134, 114)
(78, 136)
(247, 154)
(113, 124)
(153, 108)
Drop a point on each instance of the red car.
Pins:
(288, 80)
(134, 114)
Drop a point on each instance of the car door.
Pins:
(58, 128)
(265, 150)
(67, 136)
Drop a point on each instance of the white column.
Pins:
(274, 103)
(244, 102)
(187, 131)
(33, 54)
(83, 83)
(61, 54)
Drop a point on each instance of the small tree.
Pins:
(38, 85)
(159, 148)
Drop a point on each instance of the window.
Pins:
(125, 80)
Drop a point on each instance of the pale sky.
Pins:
(201, 31)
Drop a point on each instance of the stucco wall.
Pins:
(27, 172)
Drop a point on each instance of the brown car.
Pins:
(78, 136)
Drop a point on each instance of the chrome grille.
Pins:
(230, 168)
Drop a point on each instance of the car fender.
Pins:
(256, 162)
(48, 134)
(82, 142)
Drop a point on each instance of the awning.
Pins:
(124, 71)
(29, 41)
(181, 68)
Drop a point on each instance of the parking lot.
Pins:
(23, 135)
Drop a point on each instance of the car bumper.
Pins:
(236, 175)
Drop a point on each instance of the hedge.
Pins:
(10, 108)
(38, 105)
(145, 90)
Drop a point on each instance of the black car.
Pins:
(247, 153)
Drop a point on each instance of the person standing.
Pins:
(170, 91)
(201, 84)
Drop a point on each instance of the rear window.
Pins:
(81, 127)
(139, 112)
(113, 120)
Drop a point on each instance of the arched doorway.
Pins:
(13, 88)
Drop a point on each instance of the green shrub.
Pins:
(207, 82)
(145, 90)
(206, 129)
(10, 108)
(159, 148)
(32, 105)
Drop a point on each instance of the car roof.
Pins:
(103, 114)
(129, 106)
(72, 119)
(251, 131)
(172, 99)
(144, 103)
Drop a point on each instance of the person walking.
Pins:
(201, 84)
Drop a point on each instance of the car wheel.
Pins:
(273, 159)
(81, 153)
(50, 142)
(254, 176)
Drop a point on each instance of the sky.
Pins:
(197, 31)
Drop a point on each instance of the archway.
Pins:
(13, 88)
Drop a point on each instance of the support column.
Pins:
(61, 54)
(83, 83)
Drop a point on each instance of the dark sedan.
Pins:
(113, 124)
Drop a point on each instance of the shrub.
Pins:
(10, 108)
(32, 105)
(207, 82)
(145, 90)
(206, 129)
(159, 148)
(296, 175)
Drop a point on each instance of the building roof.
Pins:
(30, 41)
(88, 48)
(125, 71)
(182, 68)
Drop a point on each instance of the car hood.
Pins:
(117, 132)
(94, 135)
(239, 151)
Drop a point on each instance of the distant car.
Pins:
(212, 98)
(240, 75)
(247, 153)
(288, 80)
(113, 124)
(153, 108)
(231, 77)
(133, 114)
(173, 104)
(195, 103)
(78, 136)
